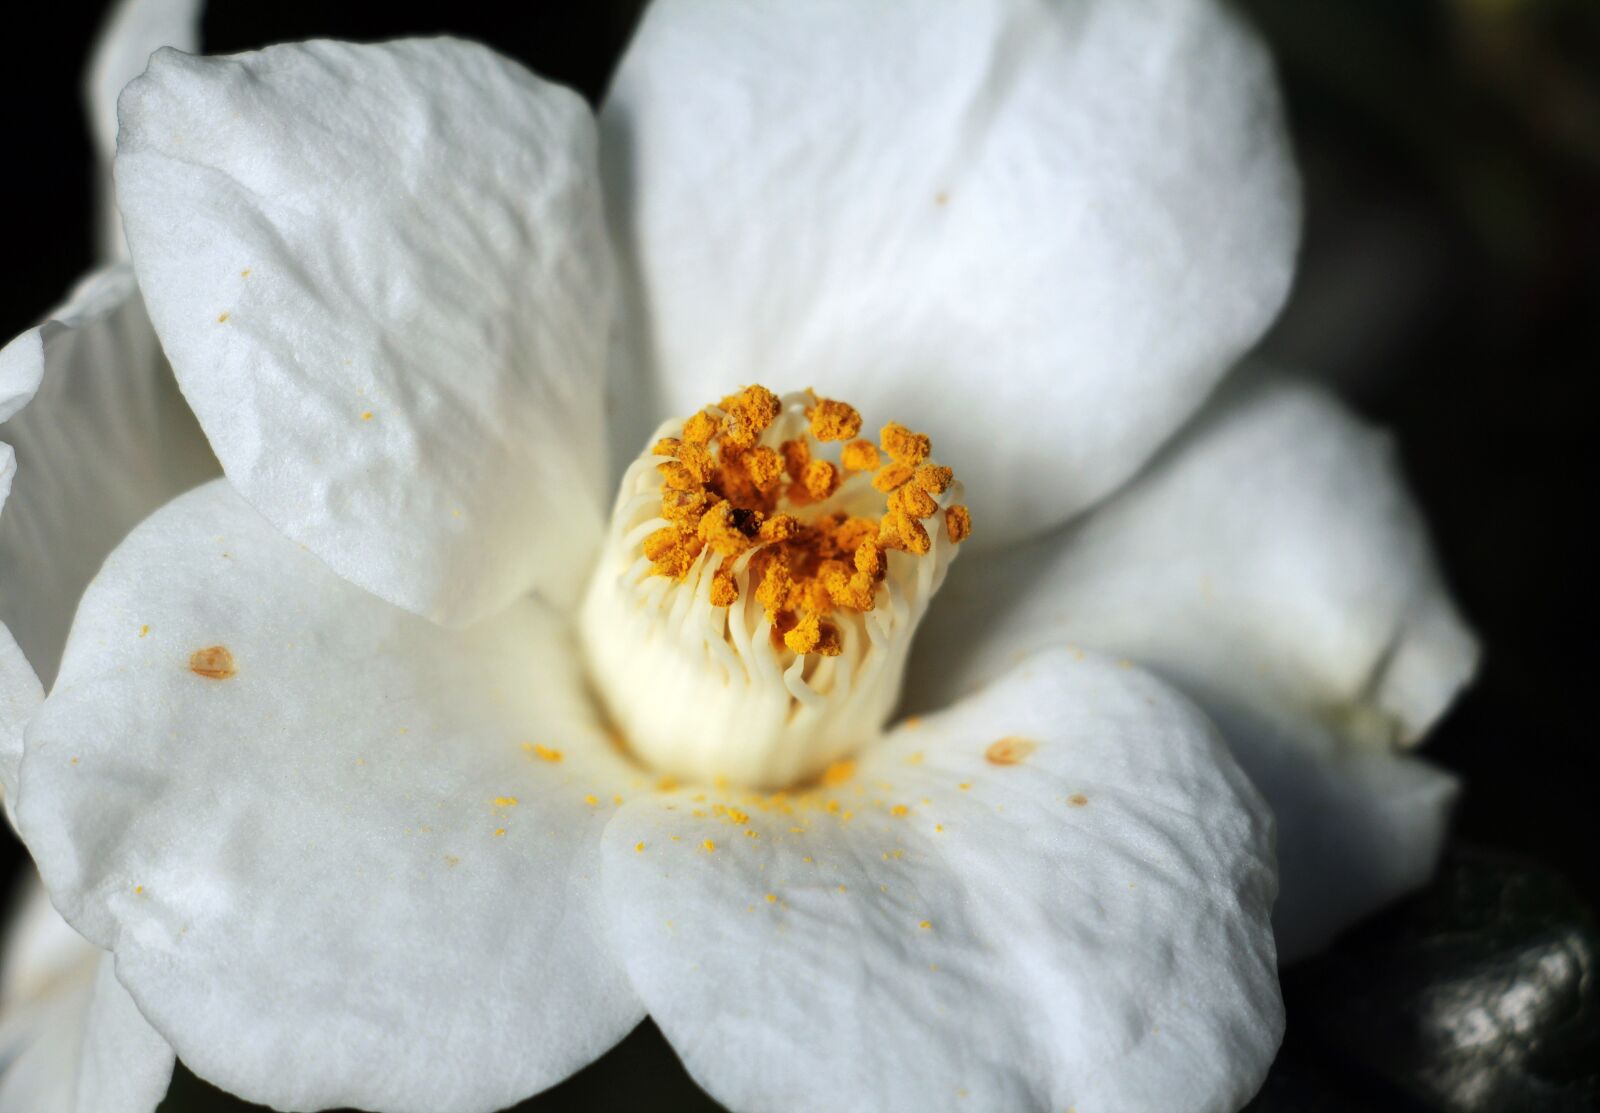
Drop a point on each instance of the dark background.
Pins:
(1450, 286)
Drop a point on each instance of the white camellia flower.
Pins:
(395, 775)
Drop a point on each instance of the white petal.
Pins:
(382, 277)
(71, 1039)
(104, 439)
(311, 871)
(134, 30)
(20, 696)
(1085, 928)
(1039, 232)
(1273, 566)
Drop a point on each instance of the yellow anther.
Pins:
(728, 529)
(958, 523)
(672, 551)
(812, 635)
(700, 428)
(934, 479)
(914, 502)
(903, 532)
(666, 446)
(893, 476)
(860, 456)
(903, 445)
(819, 479)
(749, 413)
(833, 421)
(724, 588)
(779, 527)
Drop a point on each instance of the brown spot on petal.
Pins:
(1009, 751)
(1077, 799)
(214, 663)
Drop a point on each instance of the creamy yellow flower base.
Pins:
(761, 579)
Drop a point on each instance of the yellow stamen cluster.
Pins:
(726, 491)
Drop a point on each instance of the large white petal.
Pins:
(71, 1039)
(1271, 564)
(104, 438)
(1087, 927)
(133, 30)
(311, 870)
(382, 276)
(1039, 231)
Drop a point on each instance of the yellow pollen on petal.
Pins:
(772, 898)
(638, 848)
(505, 801)
(838, 773)
(592, 800)
(214, 663)
(899, 810)
(545, 753)
(1010, 750)
(709, 845)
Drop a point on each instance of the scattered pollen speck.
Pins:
(772, 898)
(938, 826)
(617, 800)
(222, 317)
(638, 848)
(1009, 751)
(499, 832)
(591, 799)
(138, 888)
(964, 785)
(214, 663)
(143, 630)
(505, 801)
(709, 845)
(245, 273)
(899, 810)
(839, 772)
(925, 924)
(544, 753)
(451, 860)
(366, 415)
(74, 761)
(842, 889)
(1077, 799)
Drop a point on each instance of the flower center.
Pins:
(761, 579)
